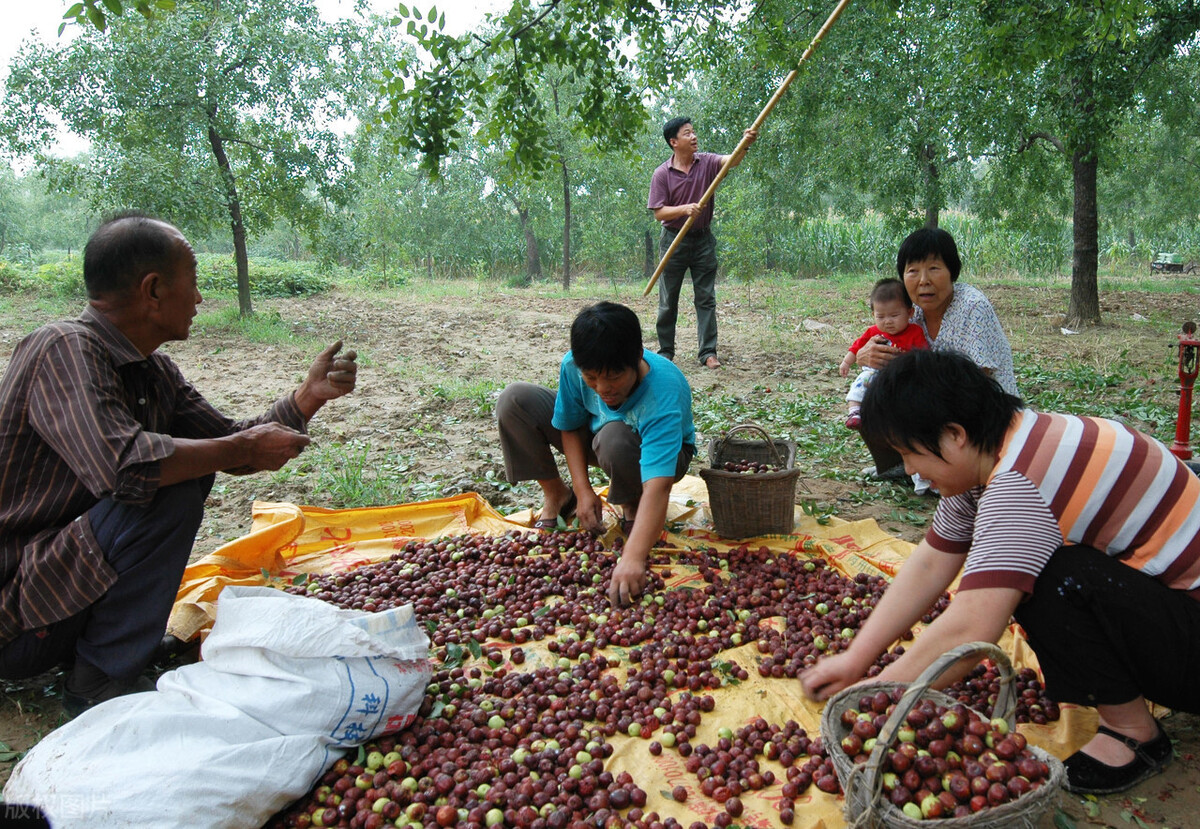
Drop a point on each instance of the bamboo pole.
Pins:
(740, 151)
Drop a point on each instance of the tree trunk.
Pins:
(1084, 308)
(651, 263)
(562, 160)
(235, 221)
(533, 262)
(933, 194)
(566, 279)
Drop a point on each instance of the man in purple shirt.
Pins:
(675, 192)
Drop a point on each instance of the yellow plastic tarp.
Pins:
(287, 540)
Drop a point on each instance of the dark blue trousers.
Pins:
(148, 547)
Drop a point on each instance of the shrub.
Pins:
(21, 253)
(62, 279)
(268, 277)
(373, 277)
(11, 279)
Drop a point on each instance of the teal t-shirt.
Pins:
(659, 411)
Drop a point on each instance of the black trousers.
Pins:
(148, 547)
(1105, 633)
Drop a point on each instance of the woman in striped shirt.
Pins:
(1082, 529)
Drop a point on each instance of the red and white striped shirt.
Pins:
(1064, 480)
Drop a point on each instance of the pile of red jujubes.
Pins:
(751, 467)
(979, 689)
(945, 761)
(498, 742)
(731, 767)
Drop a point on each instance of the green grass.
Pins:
(264, 327)
(814, 422)
(349, 475)
(29, 311)
(1080, 388)
(479, 394)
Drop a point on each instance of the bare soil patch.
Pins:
(430, 368)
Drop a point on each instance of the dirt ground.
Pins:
(426, 363)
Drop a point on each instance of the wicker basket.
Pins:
(866, 805)
(748, 504)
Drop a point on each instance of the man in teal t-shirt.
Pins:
(619, 407)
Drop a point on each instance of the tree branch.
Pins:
(1044, 136)
(535, 21)
(488, 43)
(235, 66)
(245, 143)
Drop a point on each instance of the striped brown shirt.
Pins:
(1062, 479)
(84, 416)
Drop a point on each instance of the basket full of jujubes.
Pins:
(908, 755)
(751, 483)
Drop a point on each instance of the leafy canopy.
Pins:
(156, 95)
(96, 12)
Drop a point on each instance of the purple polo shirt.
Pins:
(670, 187)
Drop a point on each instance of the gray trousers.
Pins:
(524, 412)
(698, 252)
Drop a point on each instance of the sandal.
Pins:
(564, 515)
(1087, 775)
(626, 525)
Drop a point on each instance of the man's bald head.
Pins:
(124, 249)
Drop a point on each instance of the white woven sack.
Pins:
(285, 684)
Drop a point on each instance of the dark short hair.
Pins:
(890, 290)
(671, 128)
(912, 400)
(606, 337)
(124, 249)
(924, 243)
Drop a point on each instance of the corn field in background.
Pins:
(750, 248)
(834, 244)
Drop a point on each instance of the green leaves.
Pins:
(1062, 820)
(457, 655)
(810, 508)
(89, 12)
(496, 77)
(212, 120)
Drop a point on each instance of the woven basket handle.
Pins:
(754, 427)
(1005, 707)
